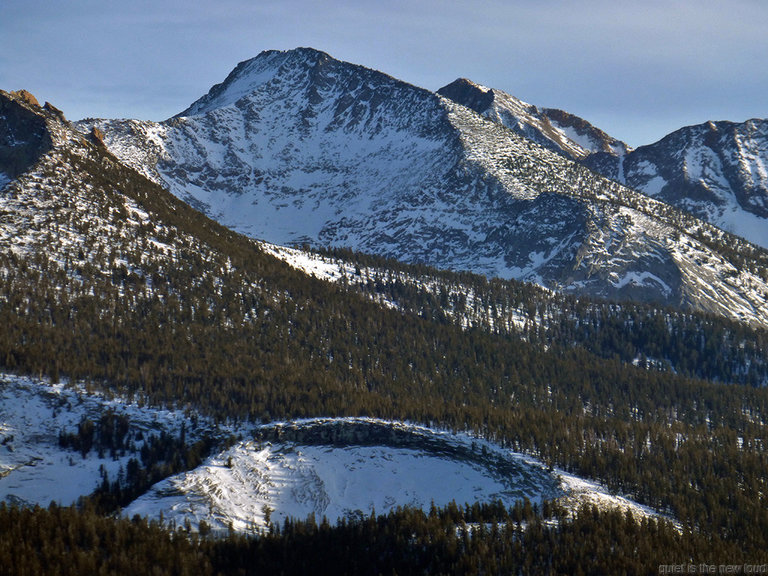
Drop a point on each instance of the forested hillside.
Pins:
(455, 540)
(697, 345)
(108, 279)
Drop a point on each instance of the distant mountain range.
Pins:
(717, 171)
(296, 147)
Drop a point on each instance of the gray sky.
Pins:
(637, 69)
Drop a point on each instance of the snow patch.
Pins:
(239, 486)
(580, 491)
(310, 472)
(643, 279)
(654, 186)
(34, 469)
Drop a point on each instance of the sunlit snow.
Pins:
(242, 485)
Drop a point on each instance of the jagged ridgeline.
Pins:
(106, 277)
(715, 170)
(297, 147)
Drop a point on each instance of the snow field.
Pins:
(257, 481)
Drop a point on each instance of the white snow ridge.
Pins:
(335, 468)
(332, 468)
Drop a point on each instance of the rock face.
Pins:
(24, 136)
(297, 147)
(26, 97)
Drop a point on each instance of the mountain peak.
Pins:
(309, 149)
(475, 96)
(249, 75)
(24, 96)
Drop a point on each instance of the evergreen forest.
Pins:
(155, 301)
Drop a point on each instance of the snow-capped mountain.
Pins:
(298, 147)
(717, 171)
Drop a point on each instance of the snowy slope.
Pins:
(34, 469)
(296, 481)
(314, 471)
(717, 171)
(327, 467)
(297, 147)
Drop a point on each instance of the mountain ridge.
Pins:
(714, 170)
(365, 161)
(555, 129)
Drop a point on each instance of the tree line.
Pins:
(176, 309)
(471, 539)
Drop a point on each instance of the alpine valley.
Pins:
(326, 321)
